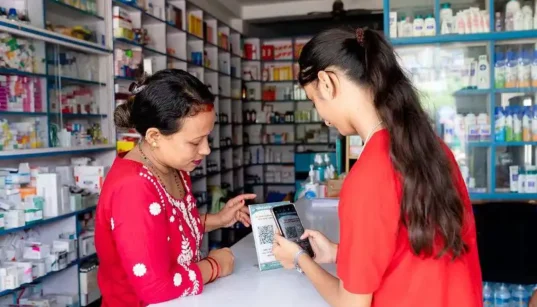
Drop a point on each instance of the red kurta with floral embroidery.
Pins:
(147, 242)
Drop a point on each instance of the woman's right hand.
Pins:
(225, 259)
(533, 300)
(324, 249)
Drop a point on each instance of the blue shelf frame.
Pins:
(53, 151)
(488, 39)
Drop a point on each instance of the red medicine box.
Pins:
(267, 53)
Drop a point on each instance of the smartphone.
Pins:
(290, 226)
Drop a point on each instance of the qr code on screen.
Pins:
(266, 234)
(290, 232)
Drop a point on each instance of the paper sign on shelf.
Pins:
(263, 229)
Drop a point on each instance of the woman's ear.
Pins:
(152, 137)
(327, 85)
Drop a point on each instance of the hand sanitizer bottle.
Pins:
(319, 168)
(311, 187)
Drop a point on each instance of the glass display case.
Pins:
(454, 83)
(475, 67)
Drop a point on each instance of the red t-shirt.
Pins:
(147, 242)
(374, 253)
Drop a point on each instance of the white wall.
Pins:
(228, 11)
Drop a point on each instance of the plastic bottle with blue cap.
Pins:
(311, 188)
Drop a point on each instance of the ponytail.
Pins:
(431, 205)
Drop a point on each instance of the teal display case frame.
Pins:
(491, 38)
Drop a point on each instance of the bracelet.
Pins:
(205, 220)
(213, 266)
(212, 271)
(297, 255)
(217, 266)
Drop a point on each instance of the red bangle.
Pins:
(205, 221)
(217, 266)
(212, 271)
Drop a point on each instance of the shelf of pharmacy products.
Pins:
(452, 22)
(51, 82)
(149, 52)
(36, 27)
(44, 222)
(159, 33)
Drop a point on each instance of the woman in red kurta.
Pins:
(148, 228)
(407, 231)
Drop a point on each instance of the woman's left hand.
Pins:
(235, 211)
(285, 251)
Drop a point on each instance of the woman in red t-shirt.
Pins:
(148, 229)
(407, 231)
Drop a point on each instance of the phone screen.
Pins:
(291, 227)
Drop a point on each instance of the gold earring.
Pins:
(154, 144)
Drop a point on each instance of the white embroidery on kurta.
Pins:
(154, 209)
(194, 279)
(185, 258)
(177, 279)
(188, 251)
(112, 223)
(186, 293)
(139, 270)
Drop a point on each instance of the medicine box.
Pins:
(49, 187)
(14, 219)
(63, 245)
(90, 177)
(36, 251)
(9, 277)
(33, 215)
(24, 271)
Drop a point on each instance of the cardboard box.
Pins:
(333, 187)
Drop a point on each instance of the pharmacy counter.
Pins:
(249, 287)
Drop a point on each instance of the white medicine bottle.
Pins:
(430, 26)
(511, 9)
(446, 16)
(418, 25)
